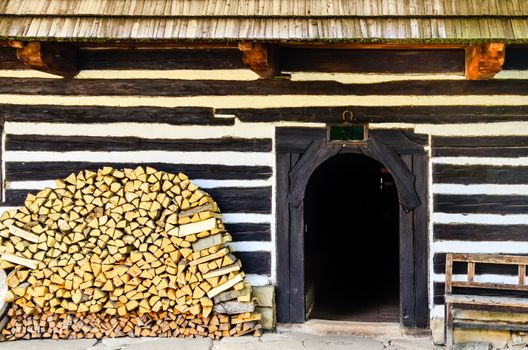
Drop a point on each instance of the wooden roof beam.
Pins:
(483, 61)
(261, 58)
(54, 58)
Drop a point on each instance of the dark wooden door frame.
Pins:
(403, 155)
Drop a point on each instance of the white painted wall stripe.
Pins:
(489, 219)
(366, 78)
(489, 189)
(223, 158)
(267, 101)
(153, 131)
(234, 218)
(479, 247)
(251, 246)
(474, 129)
(520, 161)
(437, 311)
(205, 184)
(257, 280)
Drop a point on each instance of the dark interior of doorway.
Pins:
(352, 241)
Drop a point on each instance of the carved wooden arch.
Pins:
(320, 151)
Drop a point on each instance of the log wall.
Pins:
(202, 112)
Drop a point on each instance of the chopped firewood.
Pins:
(132, 252)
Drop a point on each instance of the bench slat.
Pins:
(486, 300)
(483, 285)
(491, 259)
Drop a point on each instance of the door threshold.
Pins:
(364, 329)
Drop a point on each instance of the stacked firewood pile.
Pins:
(122, 252)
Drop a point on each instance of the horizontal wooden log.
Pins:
(89, 143)
(460, 268)
(175, 88)
(26, 171)
(9, 60)
(161, 59)
(372, 61)
(296, 139)
(258, 262)
(516, 58)
(475, 232)
(480, 204)
(479, 174)
(439, 290)
(249, 232)
(385, 114)
(230, 199)
(102, 114)
(501, 146)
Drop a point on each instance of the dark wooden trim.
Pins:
(101, 114)
(460, 268)
(372, 61)
(151, 59)
(480, 204)
(290, 225)
(258, 262)
(385, 114)
(296, 139)
(9, 60)
(479, 146)
(230, 199)
(22, 171)
(439, 290)
(110, 144)
(173, 87)
(249, 232)
(479, 174)
(58, 58)
(475, 232)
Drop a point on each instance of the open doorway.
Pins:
(351, 216)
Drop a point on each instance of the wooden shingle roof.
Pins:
(297, 20)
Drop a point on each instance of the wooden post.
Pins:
(261, 58)
(54, 58)
(484, 61)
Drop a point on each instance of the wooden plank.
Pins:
(479, 146)
(480, 204)
(296, 139)
(229, 199)
(372, 61)
(161, 59)
(491, 258)
(502, 152)
(249, 232)
(195, 227)
(29, 236)
(27, 171)
(223, 287)
(475, 232)
(57, 58)
(282, 234)
(103, 114)
(261, 58)
(224, 270)
(91, 143)
(522, 275)
(470, 271)
(297, 264)
(385, 114)
(258, 262)
(495, 286)
(209, 257)
(479, 174)
(30, 263)
(178, 88)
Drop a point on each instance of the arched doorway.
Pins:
(300, 151)
(351, 241)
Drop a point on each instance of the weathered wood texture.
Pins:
(161, 59)
(25, 171)
(403, 114)
(175, 87)
(480, 204)
(479, 174)
(370, 61)
(230, 199)
(475, 232)
(483, 61)
(51, 57)
(260, 58)
(256, 262)
(296, 139)
(249, 232)
(102, 143)
(479, 146)
(101, 114)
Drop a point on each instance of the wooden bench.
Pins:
(496, 303)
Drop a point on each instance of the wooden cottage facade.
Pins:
(242, 96)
